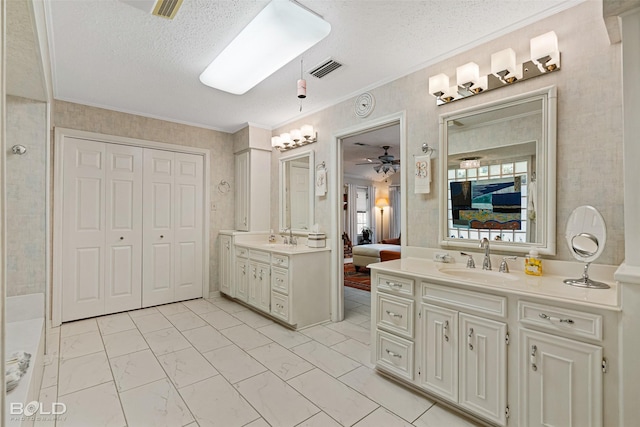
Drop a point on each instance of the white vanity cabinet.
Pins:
(259, 284)
(252, 192)
(224, 264)
(241, 276)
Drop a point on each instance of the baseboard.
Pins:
(214, 294)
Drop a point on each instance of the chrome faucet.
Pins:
(486, 263)
(290, 240)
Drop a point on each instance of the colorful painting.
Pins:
(493, 204)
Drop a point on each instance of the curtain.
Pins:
(371, 210)
(394, 214)
(351, 220)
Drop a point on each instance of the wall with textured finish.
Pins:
(26, 196)
(589, 130)
(220, 144)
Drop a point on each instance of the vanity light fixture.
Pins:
(294, 138)
(545, 58)
(282, 31)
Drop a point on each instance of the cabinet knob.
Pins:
(445, 327)
(162, 236)
(469, 337)
(532, 358)
(121, 238)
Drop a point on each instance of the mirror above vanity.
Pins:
(498, 174)
(296, 192)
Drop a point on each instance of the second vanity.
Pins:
(289, 283)
(508, 348)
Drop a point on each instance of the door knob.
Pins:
(121, 238)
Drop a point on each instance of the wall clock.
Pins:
(364, 104)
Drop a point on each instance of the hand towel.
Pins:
(422, 174)
(321, 182)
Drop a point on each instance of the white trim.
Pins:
(335, 199)
(58, 167)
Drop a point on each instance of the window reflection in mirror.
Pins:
(500, 161)
(296, 192)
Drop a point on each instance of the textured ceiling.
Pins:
(107, 53)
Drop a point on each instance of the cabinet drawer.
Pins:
(576, 323)
(260, 256)
(280, 260)
(395, 354)
(464, 299)
(280, 280)
(242, 252)
(395, 314)
(400, 285)
(280, 306)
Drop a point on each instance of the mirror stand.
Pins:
(585, 281)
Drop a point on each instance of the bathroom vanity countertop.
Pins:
(281, 248)
(549, 287)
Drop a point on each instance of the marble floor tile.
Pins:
(275, 400)
(233, 363)
(186, 320)
(83, 372)
(186, 367)
(152, 322)
(323, 335)
(352, 331)
(228, 305)
(78, 327)
(439, 416)
(142, 312)
(94, 406)
(50, 372)
(320, 419)
(166, 341)
(260, 422)
(382, 417)
(283, 336)
(200, 306)
(206, 338)
(253, 319)
(245, 337)
(357, 351)
(124, 342)
(171, 309)
(80, 345)
(52, 342)
(363, 308)
(398, 399)
(356, 318)
(136, 369)
(336, 399)
(47, 397)
(350, 304)
(215, 403)
(280, 361)
(157, 404)
(325, 358)
(115, 323)
(220, 319)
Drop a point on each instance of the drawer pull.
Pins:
(550, 318)
(392, 314)
(279, 280)
(532, 357)
(392, 354)
(446, 330)
(469, 337)
(393, 284)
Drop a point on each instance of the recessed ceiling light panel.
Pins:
(281, 32)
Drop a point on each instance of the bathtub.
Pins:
(24, 331)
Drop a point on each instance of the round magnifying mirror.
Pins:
(586, 235)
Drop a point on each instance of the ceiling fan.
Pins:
(386, 163)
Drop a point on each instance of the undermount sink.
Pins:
(478, 274)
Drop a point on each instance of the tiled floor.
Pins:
(216, 363)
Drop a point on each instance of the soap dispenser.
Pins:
(533, 264)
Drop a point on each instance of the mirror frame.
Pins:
(545, 174)
(282, 208)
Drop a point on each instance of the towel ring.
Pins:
(321, 166)
(224, 187)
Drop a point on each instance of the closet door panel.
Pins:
(158, 220)
(123, 275)
(188, 231)
(83, 229)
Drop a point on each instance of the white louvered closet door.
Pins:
(188, 226)
(83, 234)
(158, 222)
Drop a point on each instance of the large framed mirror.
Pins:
(498, 174)
(296, 192)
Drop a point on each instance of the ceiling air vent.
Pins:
(325, 68)
(166, 8)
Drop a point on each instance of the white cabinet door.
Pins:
(242, 191)
(264, 287)
(188, 226)
(224, 269)
(158, 240)
(253, 291)
(83, 234)
(483, 367)
(123, 251)
(439, 353)
(242, 279)
(560, 381)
